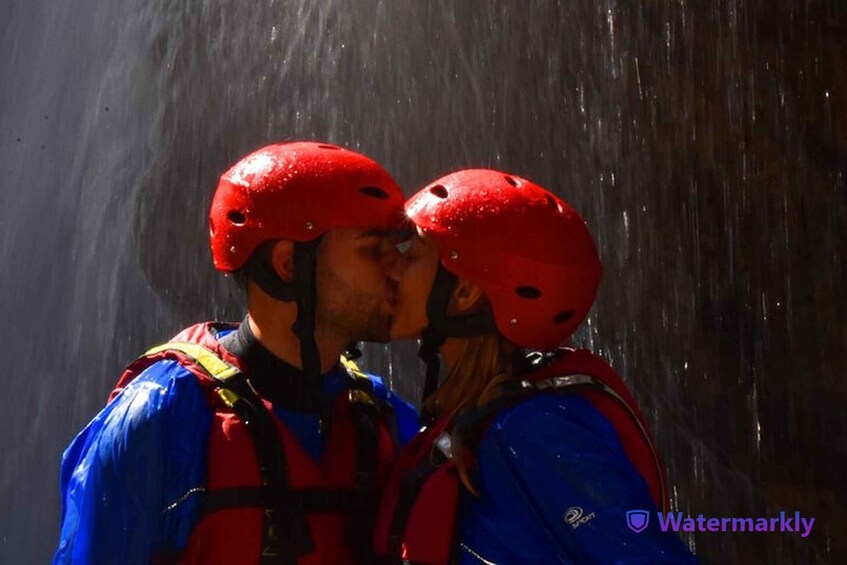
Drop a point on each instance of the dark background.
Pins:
(704, 142)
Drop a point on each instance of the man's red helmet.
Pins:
(298, 191)
(529, 252)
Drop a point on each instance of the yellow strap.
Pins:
(220, 370)
(352, 368)
(216, 367)
(357, 395)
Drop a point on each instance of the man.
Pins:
(255, 443)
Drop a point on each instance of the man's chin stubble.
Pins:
(379, 330)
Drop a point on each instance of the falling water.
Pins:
(705, 143)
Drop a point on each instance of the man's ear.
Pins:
(467, 297)
(282, 260)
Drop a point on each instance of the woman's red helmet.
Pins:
(528, 251)
(298, 191)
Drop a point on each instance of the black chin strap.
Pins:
(305, 261)
(301, 290)
(431, 342)
(441, 326)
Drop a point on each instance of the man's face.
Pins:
(356, 291)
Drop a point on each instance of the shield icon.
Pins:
(637, 520)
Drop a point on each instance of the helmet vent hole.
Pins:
(530, 292)
(439, 191)
(374, 192)
(511, 181)
(236, 217)
(324, 146)
(552, 202)
(563, 316)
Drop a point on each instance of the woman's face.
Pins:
(417, 272)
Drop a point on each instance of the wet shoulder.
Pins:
(162, 389)
(547, 422)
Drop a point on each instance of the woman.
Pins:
(526, 458)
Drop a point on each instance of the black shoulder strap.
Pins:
(366, 415)
(285, 533)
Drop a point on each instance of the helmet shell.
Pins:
(298, 191)
(529, 252)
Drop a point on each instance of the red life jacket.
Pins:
(416, 521)
(266, 500)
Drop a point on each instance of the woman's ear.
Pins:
(282, 260)
(467, 297)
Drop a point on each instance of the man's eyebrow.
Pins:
(376, 232)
